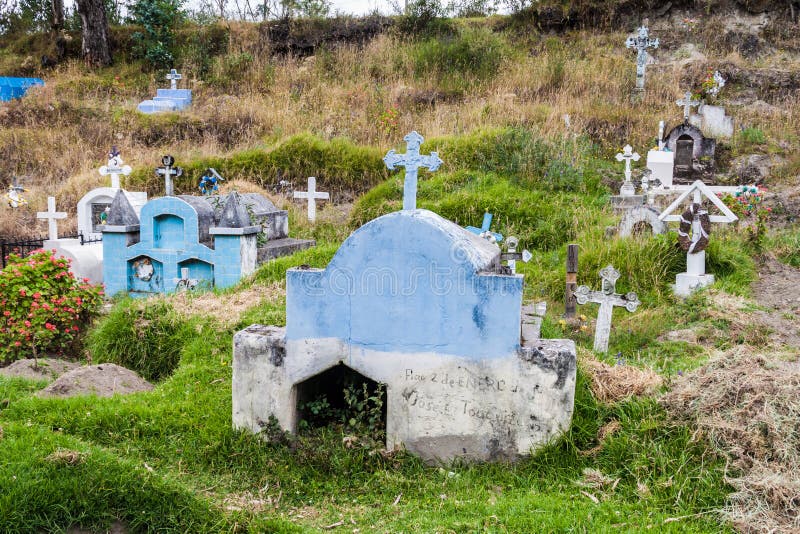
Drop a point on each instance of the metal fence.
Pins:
(23, 247)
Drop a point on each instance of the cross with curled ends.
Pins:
(607, 298)
(412, 160)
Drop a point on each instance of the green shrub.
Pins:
(472, 51)
(44, 307)
(146, 337)
(752, 136)
(155, 42)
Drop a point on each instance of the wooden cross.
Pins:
(484, 230)
(312, 195)
(52, 216)
(607, 299)
(173, 78)
(412, 160)
(627, 155)
(641, 43)
(687, 104)
(168, 171)
(114, 168)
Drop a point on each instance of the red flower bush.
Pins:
(45, 309)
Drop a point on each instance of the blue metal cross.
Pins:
(412, 160)
(487, 223)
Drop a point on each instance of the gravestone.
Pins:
(713, 121)
(661, 162)
(608, 300)
(172, 99)
(412, 161)
(641, 42)
(419, 304)
(485, 229)
(84, 259)
(693, 234)
(694, 154)
(641, 220)
(168, 170)
(627, 197)
(11, 88)
(312, 195)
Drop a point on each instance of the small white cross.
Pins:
(607, 298)
(412, 160)
(52, 216)
(687, 104)
(115, 168)
(627, 155)
(173, 78)
(312, 195)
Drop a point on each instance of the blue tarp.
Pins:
(11, 88)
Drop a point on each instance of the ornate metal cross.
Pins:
(312, 195)
(173, 78)
(688, 103)
(52, 216)
(607, 299)
(168, 171)
(641, 43)
(627, 155)
(114, 167)
(412, 160)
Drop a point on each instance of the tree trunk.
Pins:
(57, 16)
(96, 51)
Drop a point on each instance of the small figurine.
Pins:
(14, 196)
(209, 183)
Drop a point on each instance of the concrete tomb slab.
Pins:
(417, 303)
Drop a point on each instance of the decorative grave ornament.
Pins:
(608, 299)
(512, 256)
(312, 195)
(209, 183)
(695, 228)
(168, 171)
(484, 231)
(184, 283)
(627, 154)
(173, 76)
(114, 168)
(14, 197)
(51, 215)
(412, 160)
(687, 102)
(641, 43)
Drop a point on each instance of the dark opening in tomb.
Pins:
(343, 397)
(642, 228)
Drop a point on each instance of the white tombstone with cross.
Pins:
(173, 76)
(661, 163)
(641, 42)
(412, 160)
(51, 215)
(312, 195)
(86, 259)
(693, 233)
(607, 298)
(168, 171)
(687, 103)
(627, 155)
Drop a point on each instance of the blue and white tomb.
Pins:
(415, 302)
(172, 99)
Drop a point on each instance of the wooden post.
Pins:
(572, 281)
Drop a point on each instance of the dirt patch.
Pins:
(746, 402)
(777, 290)
(225, 309)
(47, 369)
(612, 383)
(102, 380)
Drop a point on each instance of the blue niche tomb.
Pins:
(178, 240)
(11, 88)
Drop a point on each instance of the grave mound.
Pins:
(104, 380)
(43, 369)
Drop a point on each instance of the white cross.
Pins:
(660, 135)
(114, 167)
(687, 104)
(627, 155)
(641, 43)
(173, 78)
(607, 299)
(312, 195)
(167, 171)
(412, 160)
(52, 216)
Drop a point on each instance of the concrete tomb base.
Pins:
(438, 406)
(686, 284)
(86, 260)
(626, 202)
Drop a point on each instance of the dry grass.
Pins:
(613, 383)
(746, 402)
(225, 309)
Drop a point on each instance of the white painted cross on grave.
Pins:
(641, 43)
(52, 216)
(173, 78)
(697, 221)
(114, 167)
(412, 160)
(627, 155)
(688, 103)
(607, 299)
(660, 136)
(312, 195)
(168, 171)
